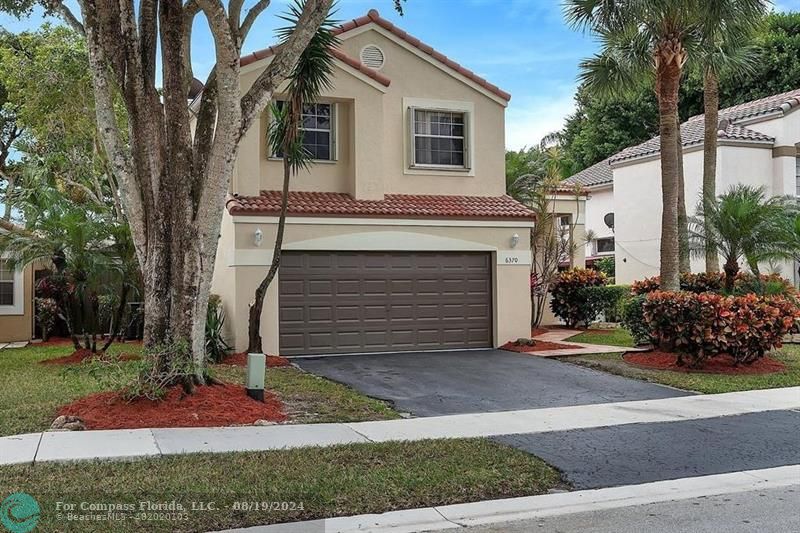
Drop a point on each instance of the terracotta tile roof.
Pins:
(337, 53)
(374, 16)
(692, 131)
(393, 205)
(597, 174)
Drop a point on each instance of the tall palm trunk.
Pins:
(669, 58)
(684, 261)
(711, 109)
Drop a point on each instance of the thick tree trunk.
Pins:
(684, 260)
(711, 126)
(667, 85)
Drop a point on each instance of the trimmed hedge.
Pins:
(699, 326)
(570, 301)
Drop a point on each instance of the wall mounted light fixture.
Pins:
(514, 240)
(258, 237)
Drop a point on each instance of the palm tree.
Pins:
(311, 76)
(645, 41)
(727, 28)
(87, 248)
(742, 224)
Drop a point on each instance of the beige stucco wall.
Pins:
(372, 132)
(239, 272)
(20, 327)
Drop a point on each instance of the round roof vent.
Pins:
(372, 56)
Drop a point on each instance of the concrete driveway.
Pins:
(446, 383)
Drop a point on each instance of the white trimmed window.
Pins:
(318, 128)
(604, 245)
(11, 299)
(439, 138)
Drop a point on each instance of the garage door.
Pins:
(353, 302)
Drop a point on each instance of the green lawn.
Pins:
(608, 337)
(30, 393)
(314, 483)
(698, 382)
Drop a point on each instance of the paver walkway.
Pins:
(126, 444)
(581, 348)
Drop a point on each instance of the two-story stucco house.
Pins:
(400, 236)
(759, 145)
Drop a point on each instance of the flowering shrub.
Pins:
(699, 326)
(645, 286)
(769, 285)
(46, 315)
(570, 302)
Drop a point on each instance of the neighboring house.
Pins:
(759, 144)
(16, 303)
(400, 237)
(597, 182)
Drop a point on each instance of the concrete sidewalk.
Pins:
(142, 443)
(504, 513)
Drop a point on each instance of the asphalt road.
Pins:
(446, 383)
(764, 511)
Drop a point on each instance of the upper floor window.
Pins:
(604, 245)
(6, 284)
(439, 138)
(318, 128)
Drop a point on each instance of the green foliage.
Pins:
(570, 302)
(529, 161)
(633, 319)
(742, 223)
(601, 127)
(163, 366)
(699, 326)
(216, 347)
(607, 266)
(46, 315)
(606, 299)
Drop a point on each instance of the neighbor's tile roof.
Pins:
(692, 131)
(597, 174)
(393, 205)
(374, 16)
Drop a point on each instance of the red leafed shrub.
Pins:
(697, 283)
(570, 303)
(699, 326)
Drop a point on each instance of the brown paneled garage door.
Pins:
(353, 302)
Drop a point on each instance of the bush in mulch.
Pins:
(79, 356)
(718, 364)
(209, 406)
(240, 359)
(538, 346)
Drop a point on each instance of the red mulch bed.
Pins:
(79, 356)
(61, 341)
(719, 364)
(538, 347)
(209, 406)
(539, 331)
(240, 359)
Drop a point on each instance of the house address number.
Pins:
(513, 258)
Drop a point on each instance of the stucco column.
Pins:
(368, 142)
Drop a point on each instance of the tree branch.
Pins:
(259, 94)
(250, 18)
(190, 11)
(148, 33)
(69, 17)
